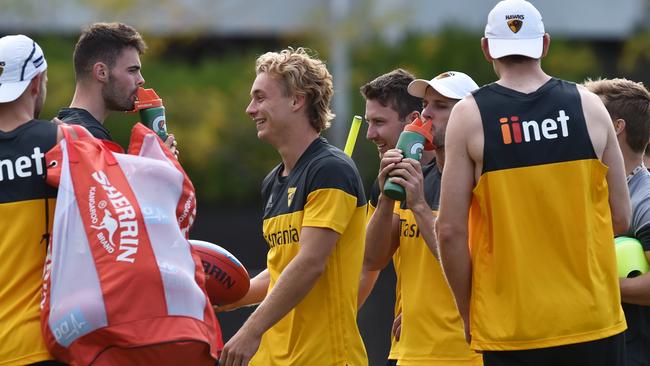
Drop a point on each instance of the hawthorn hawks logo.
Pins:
(515, 25)
(290, 193)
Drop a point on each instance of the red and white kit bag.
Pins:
(121, 283)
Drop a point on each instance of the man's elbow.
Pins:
(620, 223)
(446, 233)
(373, 263)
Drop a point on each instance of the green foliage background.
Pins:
(205, 94)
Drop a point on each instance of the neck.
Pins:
(440, 158)
(630, 158)
(525, 77)
(293, 146)
(14, 114)
(90, 98)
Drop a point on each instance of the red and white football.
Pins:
(226, 278)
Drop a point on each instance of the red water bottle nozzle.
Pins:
(147, 98)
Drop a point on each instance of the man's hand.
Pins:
(171, 145)
(408, 174)
(239, 350)
(387, 164)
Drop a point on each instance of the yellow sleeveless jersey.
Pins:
(394, 353)
(22, 251)
(323, 190)
(540, 230)
(432, 330)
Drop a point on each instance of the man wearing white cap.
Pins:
(26, 203)
(536, 193)
(432, 329)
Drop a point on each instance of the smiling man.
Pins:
(314, 219)
(431, 326)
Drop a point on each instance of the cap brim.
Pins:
(418, 88)
(11, 91)
(526, 47)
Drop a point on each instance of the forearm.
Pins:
(366, 284)
(294, 283)
(636, 290)
(425, 221)
(457, 266)
(379, 247)
(256, 293)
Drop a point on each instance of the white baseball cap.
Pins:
(21, 59)
(451, 84)
(515, 27)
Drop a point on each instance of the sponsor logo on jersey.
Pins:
(283, 236)
(513, 130)
(22, 166)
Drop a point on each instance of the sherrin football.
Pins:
(226, 278)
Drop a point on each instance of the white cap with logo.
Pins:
(451, 84)
(515, 27)
(21, 59)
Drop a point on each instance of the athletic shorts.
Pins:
(602, 352)
(391, 363)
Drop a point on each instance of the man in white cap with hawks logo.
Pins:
(530, 207)
(26, 203)
(431, 328)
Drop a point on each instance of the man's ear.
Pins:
(547, 44)
(100, 72)
(413, 116)
(35, 85)
(486, 50)
(619, 125)
(297, 102)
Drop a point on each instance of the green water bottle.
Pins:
(152, 111)
(412, 142)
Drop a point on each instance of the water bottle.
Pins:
(412, 142)
(152, 111)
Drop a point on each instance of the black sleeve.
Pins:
(643, 235)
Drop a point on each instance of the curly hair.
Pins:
(302, 75)
(627, 100)
(103, 42)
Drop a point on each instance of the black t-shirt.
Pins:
(78, 116)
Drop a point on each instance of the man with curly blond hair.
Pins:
(314, 224)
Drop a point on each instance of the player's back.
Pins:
(540, 223)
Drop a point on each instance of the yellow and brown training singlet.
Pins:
(540, 230)
(23, 194)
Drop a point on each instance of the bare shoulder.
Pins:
(468, 109)
(465, 127)
(597, 119)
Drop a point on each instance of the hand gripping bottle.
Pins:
(152, 111)
(416, 137)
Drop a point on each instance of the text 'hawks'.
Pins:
(128, 224)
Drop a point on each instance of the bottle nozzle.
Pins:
(423, 128)
(147, 98)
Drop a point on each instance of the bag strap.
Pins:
(75, 132)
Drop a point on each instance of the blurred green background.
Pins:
(204, 74)
(205, 84)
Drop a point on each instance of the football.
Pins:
(226, 278)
